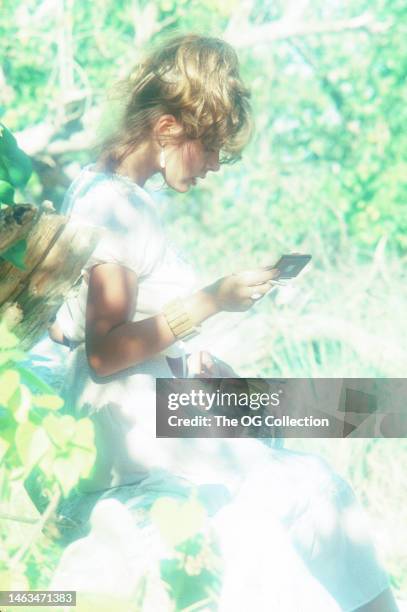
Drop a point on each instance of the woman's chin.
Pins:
(182, 186)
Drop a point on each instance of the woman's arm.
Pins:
(55, 333)
(113, 341)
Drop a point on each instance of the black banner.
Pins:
(281, 408)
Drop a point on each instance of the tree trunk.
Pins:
(57, 249)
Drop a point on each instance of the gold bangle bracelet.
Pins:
(179, 320)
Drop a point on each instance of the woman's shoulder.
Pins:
(109, 200)
(134, 235)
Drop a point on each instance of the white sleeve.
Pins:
(132, 236)
(138, 248)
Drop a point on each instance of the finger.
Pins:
(207, 365)
(274, 271)
(257, 276)
(194, 363)
(208, 372)
(203, 364)
(206, 360)
(255, 292)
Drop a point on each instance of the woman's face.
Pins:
(187, 162)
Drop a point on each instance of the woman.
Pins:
(139, 301)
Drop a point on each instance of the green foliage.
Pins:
(6, 192)
(177, 521)
(33, 430)
(34, 436)
(328, 107)
(40, 447)
(14, 163)
(189, 587)
(192, 573)
(15, 171)
(325, 173)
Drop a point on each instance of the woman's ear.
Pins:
(166, 128)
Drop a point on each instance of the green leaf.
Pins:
(15, 400)
(82, 461)
(24, 436)
(11, 355)
(4, 486)
(16, 254)
(19, 167)
(47, 463)
(22, 409)
(196, 592)
(8, 428)
(84, 434)
(66, 475)
(33, 381)
(40, 447)
(60, 429)
(50, 402)
(3, 172)
(17, 163)
(177, 521)
(9, 383)
(32, 445)
(6, 192)
(8, 340)
(7, 141)
(13, 581)
(4, 446)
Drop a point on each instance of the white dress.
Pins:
(290, 531)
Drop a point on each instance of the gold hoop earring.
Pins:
(162, 158)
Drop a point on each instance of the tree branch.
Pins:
(286, 28)
(43, 138)
(18, 519)
(37, 530)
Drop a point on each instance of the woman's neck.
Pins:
(139, 165)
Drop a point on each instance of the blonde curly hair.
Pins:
(194, 78)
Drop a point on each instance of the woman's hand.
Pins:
(202, 364)
(239, 291)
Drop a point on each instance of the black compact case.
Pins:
(290, 266)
